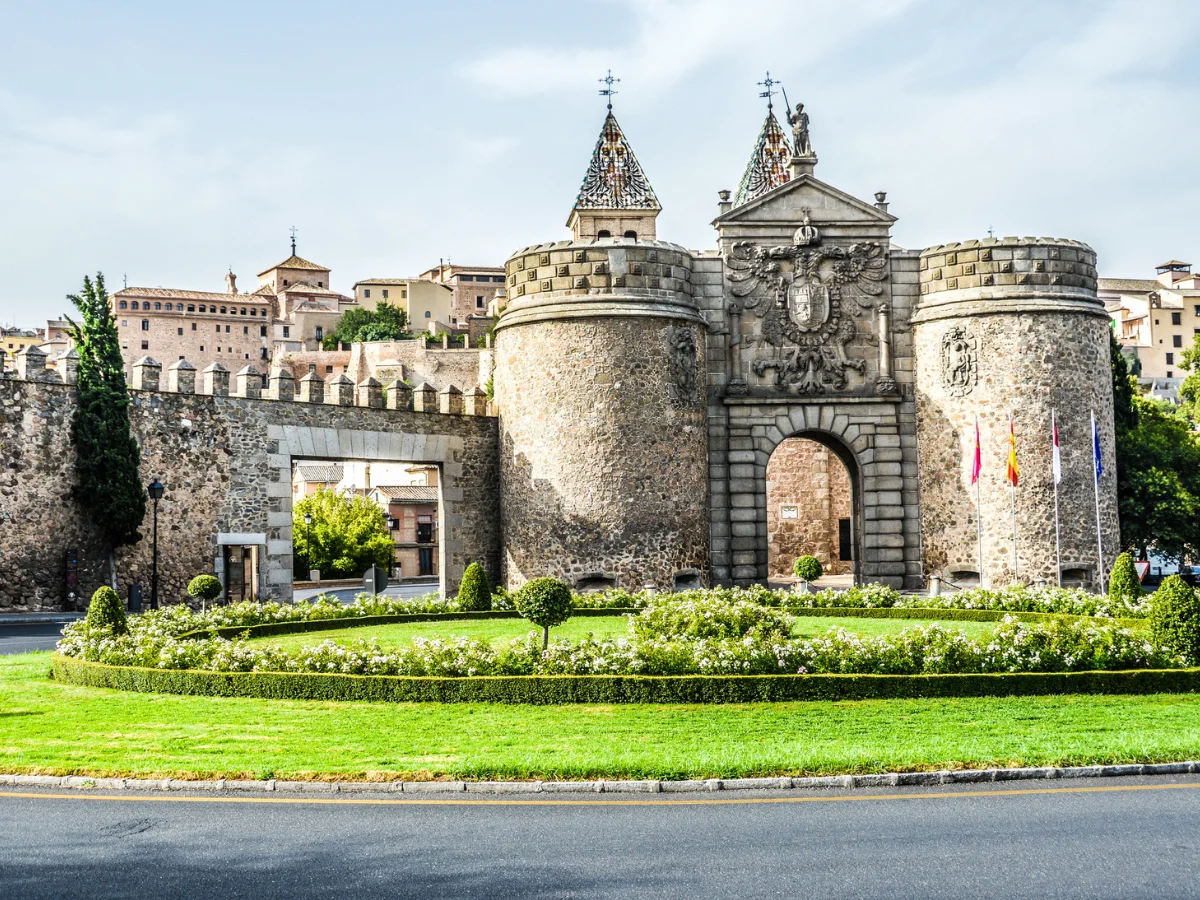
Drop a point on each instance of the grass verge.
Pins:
(53, 728)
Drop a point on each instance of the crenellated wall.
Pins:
(226, 462)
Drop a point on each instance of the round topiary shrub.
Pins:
(107, 611)
(1175, 619)
(205, 589)
(1123, 583)
(545, 602)
(475, 594)
(807, 568)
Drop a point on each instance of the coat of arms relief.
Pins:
(807, 295)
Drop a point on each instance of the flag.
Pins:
(1012, 472)
(977, 464)
(1096, 457)
(1057, 452)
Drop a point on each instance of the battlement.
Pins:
(281, 386)
(1008, 274)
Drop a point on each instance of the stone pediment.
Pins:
(786, 204)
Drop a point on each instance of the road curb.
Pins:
(435, 788)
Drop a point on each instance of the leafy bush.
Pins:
(807, 568)
(1174, 619)
(545, 602)
(475, 593)
(106, 611)
(1124, 584)
(204, 589)
(710, 618)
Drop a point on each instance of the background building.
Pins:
(1156, 319)
(474, 288)
(427, 305)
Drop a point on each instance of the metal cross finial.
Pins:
(768, 83)
(293, 240)
(607, 91)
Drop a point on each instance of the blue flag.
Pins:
(1096, 449)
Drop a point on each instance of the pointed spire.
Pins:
(768, 166)
(614, 178)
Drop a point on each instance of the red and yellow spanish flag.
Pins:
(1012, 472)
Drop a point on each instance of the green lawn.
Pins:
(501, 631)
(62, 729)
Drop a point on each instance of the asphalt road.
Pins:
(22, 637)
(1127, 839)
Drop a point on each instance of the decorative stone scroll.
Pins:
(960, 361)
(810, 293)
(681, 348)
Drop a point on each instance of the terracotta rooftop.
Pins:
(327, 474)
(304, 287)
(412, 493)
(295, 262)
(177, 294)
(1129, 285)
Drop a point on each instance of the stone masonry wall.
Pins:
(1012, 327)
(226, 463)
(808, 477)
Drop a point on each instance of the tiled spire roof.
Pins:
(768, 166)
(614, 179)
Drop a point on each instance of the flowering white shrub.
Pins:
(709, 616)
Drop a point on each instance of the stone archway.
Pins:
(811, 508)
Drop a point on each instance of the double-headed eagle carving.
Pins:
(807, 294)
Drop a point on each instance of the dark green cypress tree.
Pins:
(106, 454)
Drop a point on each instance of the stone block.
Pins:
(146, 371)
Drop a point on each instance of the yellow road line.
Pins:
(976, 792)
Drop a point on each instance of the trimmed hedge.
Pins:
(949, 614)
(268, 629)
(556, 689)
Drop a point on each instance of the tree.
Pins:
(205, 589)
(347, 536)
(807, 568)
(383, 323)
(106, 611)
(474, 593)
(1123, 582)
(1175, 619)
(107, 457)
(1158, 471)
(545, 602)
(1189, 391)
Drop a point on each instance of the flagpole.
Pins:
(1096, 482)
(979, 504)
(1012, 443)
(1057, 534)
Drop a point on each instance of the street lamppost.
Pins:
(155, 490)
(308, 541)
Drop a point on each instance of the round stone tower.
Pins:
(599, 386)
(1011, 328)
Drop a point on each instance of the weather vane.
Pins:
(768, 83)
(607, 91)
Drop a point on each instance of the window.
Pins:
(1176, 318)
(262, 330)
(245, 329)
(218, 329)
(263, 313)
(218, 348)
(427, 315)
(145, 345)
(287, 331)
(145, 324)
(498, 278)
(124, 345)
(124, 323)
(319, 333)
(632, 235)
(366, 293)
(193, 326)
(329, 369)
(403, 293)
(254, 312)
(1170, 374)
(133, 305)
(385, 293)
(124, 305)
(479, 302)
(180, 330)
(603, 234)
(202, 307)
(158, 306)
(466, 277)
(320, 284)
(1177, 340)
(192, 307)
(1170, 359)
(262, 353)
(243, 310)
(201, 348)
(227, 329)
(1196, 310)
(222, 310)
(285, 282)
(169, 307)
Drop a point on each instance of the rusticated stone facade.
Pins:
(226, 463)
(599, 372)
(1011, 327)
(808, 497)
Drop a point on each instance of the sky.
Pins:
(166, 142)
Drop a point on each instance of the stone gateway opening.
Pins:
(809, 509)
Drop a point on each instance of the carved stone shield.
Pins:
(808, 304)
